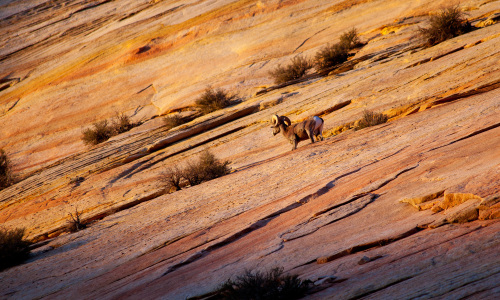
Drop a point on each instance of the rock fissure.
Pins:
(491, 127)
(367, 246)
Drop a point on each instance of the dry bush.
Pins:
(448, 23)
(5, 171)
(13, 248)
(207, 167)
(173, 121)
(332, 55)
(121, 123)
(212, 100)
(295, 70)
(172, 178)
(75, 223)
(270, 285)
(350, 40)
(210, 167)
(100, 132)
(371, 119)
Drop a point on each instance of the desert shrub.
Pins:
(207, 167)
(448, 23)
(371, 119)
(269, 285)
(121, 123)
(173, 121)
(100, 132)
(210, 167)
(332, 55)
(212, 100)
(13, 248)
(172, 178)
(5, 170)
(349, 39)
(75, 223)
(295, 70)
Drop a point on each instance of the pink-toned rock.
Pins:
(333, 202)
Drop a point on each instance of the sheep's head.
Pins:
(276, 121)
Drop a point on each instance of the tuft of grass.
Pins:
(297, 68)
(75, 222)
(448, 23)
(214, 99)
(269, 285)
(5, 171)
(207, 167)
(333, 55)
(371, 119)
(173, 121)
(13, 248)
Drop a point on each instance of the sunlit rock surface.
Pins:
(404, 209)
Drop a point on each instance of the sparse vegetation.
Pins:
(350, 40)
(207, 167)
(371, 119)
(102, 131)
(448, 23)
(295, 70)
(173, 121)
(5, 170)
(214, 99)
(75, 222)
(121, 123)
(332, 55)
(13, 248)
(271, 285)
(172, 178)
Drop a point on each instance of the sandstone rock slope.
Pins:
(406, 209)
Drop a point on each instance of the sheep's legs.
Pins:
(310, 133)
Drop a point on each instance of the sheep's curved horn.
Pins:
(274, 120)
(286, 120)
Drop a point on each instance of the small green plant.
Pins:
(448, 23)
(13, 248)
(333, 55)
(207, 167)
(5, 171)
(212, 100)
(75, 222)
(173, 121)
(100, 132)
(297, 68)
(270, 285)
(371, 119)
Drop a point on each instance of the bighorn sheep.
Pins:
(299, 131)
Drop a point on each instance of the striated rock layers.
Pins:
(405, 209)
